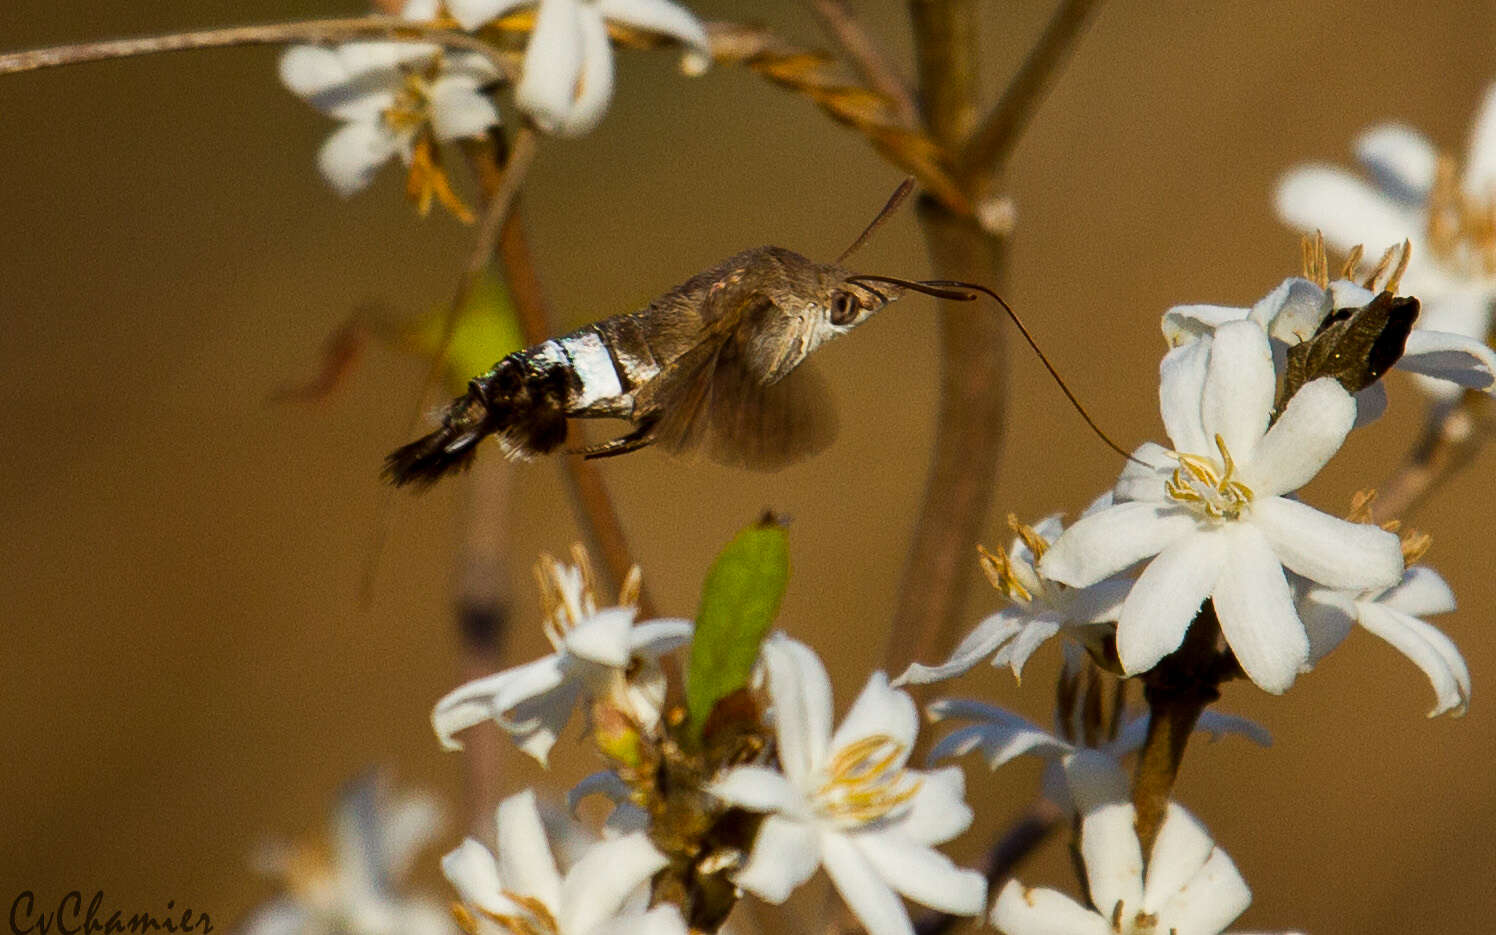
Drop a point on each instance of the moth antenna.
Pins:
(955, 290)
(894, 200)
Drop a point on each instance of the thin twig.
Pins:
(392, 29)
(867, 57)
(989, 147)
(483, 616)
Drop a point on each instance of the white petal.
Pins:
(1463, 361)
(665, 18)
(879, 710)
(654, 638)
(1105, 543)
(1034, 634)
(603, 638)
(1181, 384)
(1144, 475)
(1429, 649)
(595, 83)
(1001, 734)
(474, 874)
(418, 11)
(309, 70)
(1306, 436)
(460, 110)
(1179, 851)
(801, 694)
(280, 917)
(353, 153)
(1114, 862)
(939, 811)
(1466, 312)
(553, 64)
(1327, 617)
(1347, 210)
(1401, 160)
(597, 884)
(924, 875)
(1293, 312)
(1101, 602)
(1371, 403)
(978, 645)
(1421, 593)
(1239, 387)
(1209, 902)
(1480, 160)
(1256, 611)
(525, 862)
(1166, 598)
(406, 827)
(664, 919)
(536, 722)
(1020, 910)
(785, 854)
(470, 14)
(756, 788)
(871, 899)
(1183, 324)
(1326, 550)
(489, 697)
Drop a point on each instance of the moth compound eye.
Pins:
(844, 308)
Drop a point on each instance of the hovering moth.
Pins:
(717, 364)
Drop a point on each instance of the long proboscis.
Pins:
(957, 291)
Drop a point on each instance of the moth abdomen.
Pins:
(522, 401)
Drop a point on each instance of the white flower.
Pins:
(568, 70)
(394, 98)
(1189, 886)
(1214, 518)
(1002, 736)
(1393, 614)
(595, 652)
(1418, 196)
(1292, 313)
(847, 802)
(359, 890)
(522, 891)
(1038, 609)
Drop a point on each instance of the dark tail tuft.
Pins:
(448, 450)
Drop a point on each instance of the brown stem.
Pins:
(1177, 690)
(595, 511)
(968, 439)
(483, 608)
(987, 150)
(389, 28)
(867, 57)
(1450, 441)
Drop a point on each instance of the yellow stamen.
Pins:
(865, 781)
(427, 180)
(1352, 260)
(1035, 542)
(1210, 489)
(1316, 264)
(999, 572)
(1415, 546)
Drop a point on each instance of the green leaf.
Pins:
(739, 602)
(486, 329)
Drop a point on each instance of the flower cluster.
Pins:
(398, 98)
(758, 801)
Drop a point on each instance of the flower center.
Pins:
(533, 918)
(866, 781)
(1461, 228)
(412, 107)
(1209, 487)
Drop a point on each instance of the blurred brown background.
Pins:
(186, 667)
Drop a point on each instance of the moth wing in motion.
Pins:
(713, 398)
